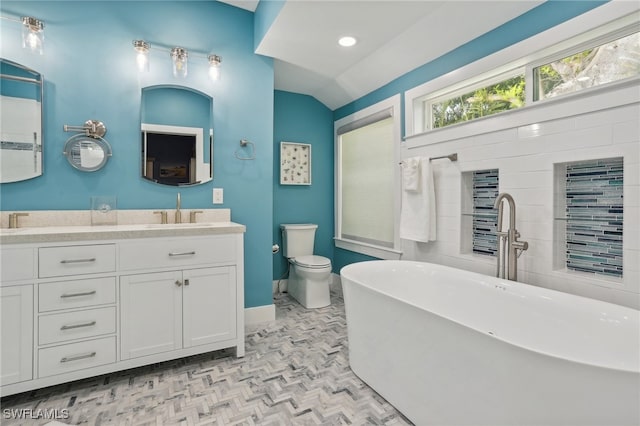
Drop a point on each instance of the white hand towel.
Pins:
(411, 174)
(418, 212)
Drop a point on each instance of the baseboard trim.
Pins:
(259, 314)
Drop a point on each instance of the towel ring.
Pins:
(243, 143)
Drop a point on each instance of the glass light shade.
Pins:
(33, 34)
(142, 55)
(214, 67)
(179, 57)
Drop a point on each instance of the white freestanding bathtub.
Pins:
(451, 347)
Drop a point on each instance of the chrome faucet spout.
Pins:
(509, 248)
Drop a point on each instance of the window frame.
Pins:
(373, 250)
(607, 22)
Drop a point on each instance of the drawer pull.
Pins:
(84, 293)
(184, 253)
(84, 324)
(78, 357)
(88, 260)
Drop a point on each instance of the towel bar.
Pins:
(451, 157)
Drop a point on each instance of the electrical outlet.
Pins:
(218, 196)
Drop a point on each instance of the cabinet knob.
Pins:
(178, 283)
(186, 282)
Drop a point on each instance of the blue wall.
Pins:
(90, 73)
(301, 118)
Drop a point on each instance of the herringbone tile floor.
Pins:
(295, 372)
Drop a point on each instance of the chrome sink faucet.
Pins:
(509, 248)
(178, 212)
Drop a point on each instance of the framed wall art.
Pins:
(295, 163)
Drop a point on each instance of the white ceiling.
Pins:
(394, 37)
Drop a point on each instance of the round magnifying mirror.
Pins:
(86, 153)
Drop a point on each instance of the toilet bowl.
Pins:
(309, 274)
(309, 279)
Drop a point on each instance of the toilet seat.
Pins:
(312, 262)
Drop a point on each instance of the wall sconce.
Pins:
(179, 56)
(32, 33)
(214, 67)
(142, 57)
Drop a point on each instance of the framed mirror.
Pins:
(176, 135)
(21, 91)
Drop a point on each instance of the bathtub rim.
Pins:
(484, 332)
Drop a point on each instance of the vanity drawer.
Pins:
(66, 326)
(76, 294)
(177, 252)
(76, 356)
(17, 264)
(76, 260)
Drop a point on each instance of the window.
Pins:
(573, 61)
(367, 180)
(609, 62)
(480, 100)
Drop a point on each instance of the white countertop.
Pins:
(47, 234)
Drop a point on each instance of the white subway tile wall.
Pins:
(526, 156)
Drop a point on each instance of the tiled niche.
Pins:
(589, 217)
(479, 218)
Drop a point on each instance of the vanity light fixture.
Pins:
(179, 56)
(214, 67)
(179, 59)
(142, 56)
(32, 32)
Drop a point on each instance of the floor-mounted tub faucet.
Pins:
(509, 248)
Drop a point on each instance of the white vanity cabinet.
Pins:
(16, 315)
(76, 322)
(77, 309)
(188, 308)
(16, 312)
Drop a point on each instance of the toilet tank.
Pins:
(297, 239)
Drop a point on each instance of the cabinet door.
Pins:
(17, 334)
(209, 305)
(151, 313)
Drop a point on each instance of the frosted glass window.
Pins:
(367, 179)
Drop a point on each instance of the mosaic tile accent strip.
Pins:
(295, 372)
(594, 215)
(485, 217)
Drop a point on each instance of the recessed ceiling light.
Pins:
(347, 41)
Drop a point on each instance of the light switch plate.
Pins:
(218, 196)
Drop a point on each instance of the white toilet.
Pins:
(309, 275)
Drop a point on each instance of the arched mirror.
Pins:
(177, 135)
(21, 91)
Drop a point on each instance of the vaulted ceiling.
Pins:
(394, 37)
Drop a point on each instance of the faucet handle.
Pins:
(13, 219)
(163, 216)
(192, 215)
